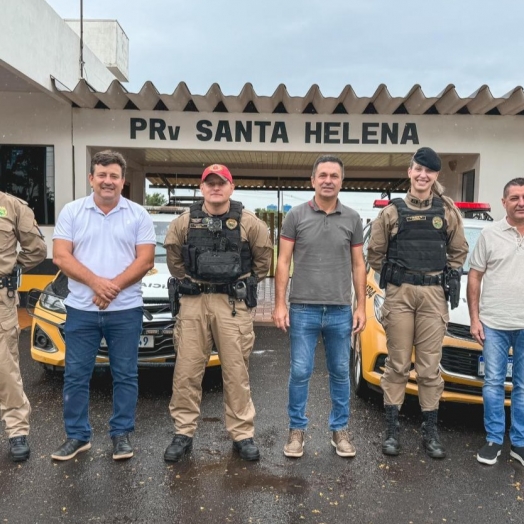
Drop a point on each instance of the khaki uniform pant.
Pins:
(202, 319)
(14, 406)
(414, 316)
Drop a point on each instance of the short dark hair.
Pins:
(327, 158)
(514, 182)
(107, 157)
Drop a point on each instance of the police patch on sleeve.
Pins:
(437, 222)
(3, 211)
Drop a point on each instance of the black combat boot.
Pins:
(391, 445)
(430, 438)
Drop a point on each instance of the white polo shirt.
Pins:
(106, 244)
(499, 254)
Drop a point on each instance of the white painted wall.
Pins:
(109, 43)
(37, 119)
(494, 141)
(38, 44)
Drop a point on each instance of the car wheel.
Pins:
(359, 384)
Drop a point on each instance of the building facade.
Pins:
(56, 111)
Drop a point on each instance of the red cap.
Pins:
(220, 170)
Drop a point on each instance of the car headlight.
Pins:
(378, 302)
(51, 302)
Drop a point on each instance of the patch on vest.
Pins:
(437, 222)
(231, 223)
(415, 218)
(3, 211)
(198, 226)
(196, 220)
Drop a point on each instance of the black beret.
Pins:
(426, 157)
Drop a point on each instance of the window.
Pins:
(468, 186)
(28, 172)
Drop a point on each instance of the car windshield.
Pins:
(472, 236)
(160, 232)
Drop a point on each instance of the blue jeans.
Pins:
(83, 332)
(334, 323)
(495, 351)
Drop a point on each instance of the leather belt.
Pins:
(422, 280)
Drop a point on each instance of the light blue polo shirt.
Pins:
(106, 244)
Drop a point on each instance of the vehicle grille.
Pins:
(454, 360)
(154, 306)
(461, 361)
(468, 390)
(459, 331)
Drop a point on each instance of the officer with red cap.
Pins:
(218, 252)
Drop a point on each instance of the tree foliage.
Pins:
(156, 199)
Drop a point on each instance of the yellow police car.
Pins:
(156, 340)
(462, 364)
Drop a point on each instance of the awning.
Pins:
(448, 102)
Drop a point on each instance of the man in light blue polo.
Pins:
(105, 244)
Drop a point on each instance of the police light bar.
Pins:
(473, 206)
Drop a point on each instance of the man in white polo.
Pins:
(105, 244)
(497, 321)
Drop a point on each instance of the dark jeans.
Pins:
(83, 332)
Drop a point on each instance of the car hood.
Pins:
(460, 315)
(154, 284)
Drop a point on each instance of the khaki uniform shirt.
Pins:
(252, 229)
(386, 225)
(18, 225)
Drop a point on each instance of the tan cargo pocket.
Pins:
(9, 327)
(247, 338)
(385, 315)
(10, 302)
(9, 323)
(445, 322)
(176, 335)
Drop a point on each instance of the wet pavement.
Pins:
(215, 486)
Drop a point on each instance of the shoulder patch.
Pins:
(3, 211)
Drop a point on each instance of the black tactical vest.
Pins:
(421, 240)
(214, 250)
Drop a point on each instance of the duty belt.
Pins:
(422, 280)
(215, 288)
(10, 283)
